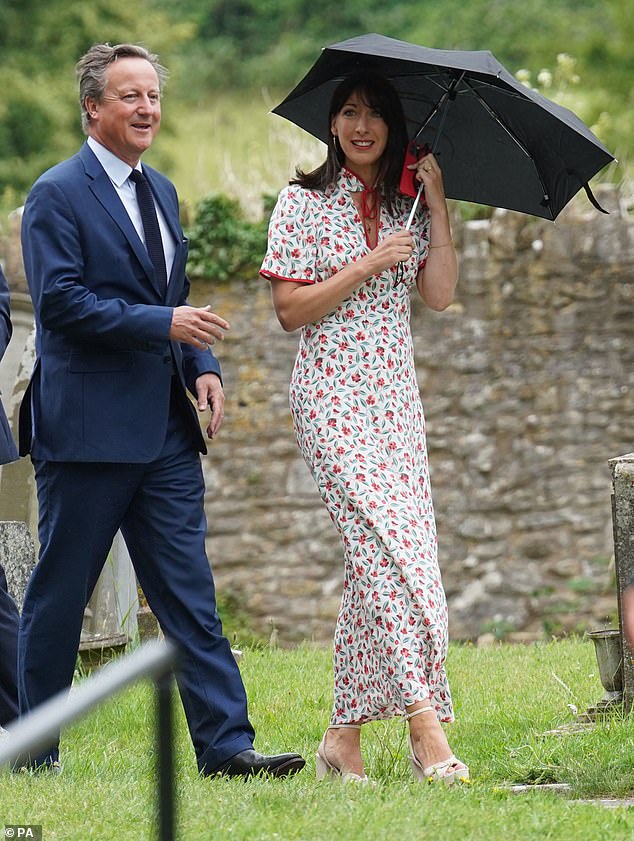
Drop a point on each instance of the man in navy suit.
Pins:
(9, 616)
(113, 437)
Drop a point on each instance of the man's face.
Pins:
(129, 115)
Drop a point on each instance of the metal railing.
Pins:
(39, 729)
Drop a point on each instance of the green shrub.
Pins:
(223, 244)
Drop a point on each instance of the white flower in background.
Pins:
(545, 78)
(524, 76)
(566, 65)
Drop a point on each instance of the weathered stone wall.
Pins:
(528, 387)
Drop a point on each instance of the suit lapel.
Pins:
(105, 193)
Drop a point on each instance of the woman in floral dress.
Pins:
(341, 267)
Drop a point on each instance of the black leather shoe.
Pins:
(248, 763)
(43, 768)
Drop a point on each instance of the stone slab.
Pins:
(622, 469)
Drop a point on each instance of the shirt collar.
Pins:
(117, 170)
(348, 180)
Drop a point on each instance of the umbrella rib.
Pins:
(430, 116)
(450, 93)
(511, 134)
(446, 98)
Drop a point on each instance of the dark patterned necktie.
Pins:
(153, 241)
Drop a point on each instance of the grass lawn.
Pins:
(506, 698)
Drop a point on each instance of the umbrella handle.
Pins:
(410, 219)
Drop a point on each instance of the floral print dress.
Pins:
(359, 423)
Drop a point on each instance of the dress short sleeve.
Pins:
(291, 250)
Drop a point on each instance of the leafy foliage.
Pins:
(272, 43)
(40, 42)
(223, 45)
(223, 244)
(247, 42)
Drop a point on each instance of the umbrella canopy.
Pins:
(498, 142)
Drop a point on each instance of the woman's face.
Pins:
(362, 133)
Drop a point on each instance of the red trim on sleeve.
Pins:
(268, 275)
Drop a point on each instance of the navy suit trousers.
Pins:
(9, 618)
(159, 508)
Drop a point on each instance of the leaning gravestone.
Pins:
(622, 469)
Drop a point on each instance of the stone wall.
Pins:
(528, 387)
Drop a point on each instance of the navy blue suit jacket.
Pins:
(9, 616)
(100, 389)
(8, 451)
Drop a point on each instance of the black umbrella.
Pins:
(498, 142)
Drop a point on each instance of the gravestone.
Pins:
(622, 469)
(110, 615)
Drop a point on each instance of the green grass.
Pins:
(506, 698)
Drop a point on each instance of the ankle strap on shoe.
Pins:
(418, 712)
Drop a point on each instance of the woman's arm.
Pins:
(436, 281)
(297, 304)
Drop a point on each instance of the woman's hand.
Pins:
(430, 174)
(395, 248)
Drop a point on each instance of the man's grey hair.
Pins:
(91, 71)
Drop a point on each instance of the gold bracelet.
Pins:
(443, 245)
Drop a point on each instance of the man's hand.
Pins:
(210, 393)
(197, 326)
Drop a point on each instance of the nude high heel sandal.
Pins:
(325, 768)
(447, 772)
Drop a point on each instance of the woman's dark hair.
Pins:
(377, 93)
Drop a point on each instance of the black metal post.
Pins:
(37, 730)
(165, 758)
